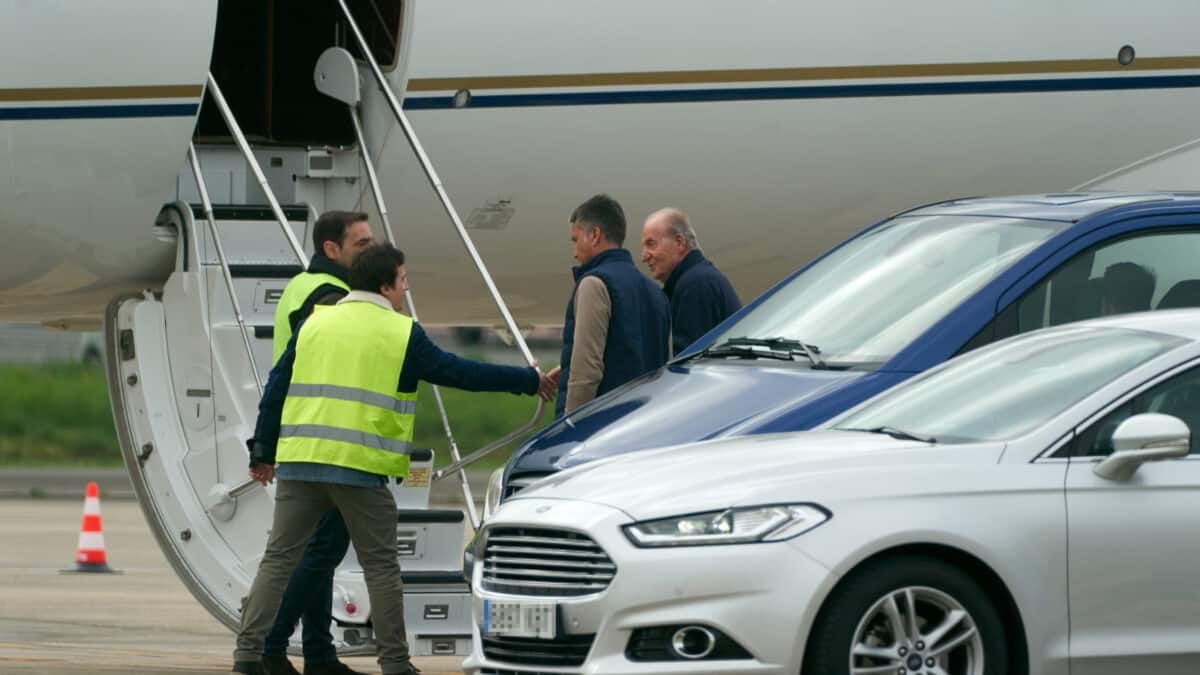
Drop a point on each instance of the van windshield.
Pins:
(869, 299)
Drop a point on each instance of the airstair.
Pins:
(186, 369)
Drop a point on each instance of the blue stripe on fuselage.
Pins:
(669, 96)
(98, 111)
(808, 92)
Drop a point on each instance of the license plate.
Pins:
(520, 619)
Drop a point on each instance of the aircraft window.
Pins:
(870, 298)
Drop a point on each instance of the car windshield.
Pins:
(870, 298)
(1010, 388)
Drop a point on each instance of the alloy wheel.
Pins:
(916, 630)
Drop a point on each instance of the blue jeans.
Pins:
(310, 594)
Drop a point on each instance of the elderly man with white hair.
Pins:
(701, 297)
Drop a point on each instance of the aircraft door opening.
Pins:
(264, 53)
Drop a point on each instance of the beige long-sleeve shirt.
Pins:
(593, 309)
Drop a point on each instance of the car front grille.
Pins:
(565, 650)
(544, 562)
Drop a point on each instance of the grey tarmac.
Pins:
(141, 621)
(69, 483)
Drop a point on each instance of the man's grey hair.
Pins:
(603, 213)
(678, 221)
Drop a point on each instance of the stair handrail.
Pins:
(236, 131)
(381, 204)
(206, 203)
(435, 181)
(239, 138)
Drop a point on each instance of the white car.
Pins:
(1029, 507)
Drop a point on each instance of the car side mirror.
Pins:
(1149, 437)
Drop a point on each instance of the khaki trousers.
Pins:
(370, 515)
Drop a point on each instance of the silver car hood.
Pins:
(813, 466)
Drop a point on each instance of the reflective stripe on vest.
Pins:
(294, 296)
(399, 405)
(345, 436)
(342, 407)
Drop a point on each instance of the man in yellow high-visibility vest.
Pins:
(337, 415)
(338, 236)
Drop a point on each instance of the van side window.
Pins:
(1178, 397)
(1146, 271)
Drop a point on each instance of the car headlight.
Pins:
(495, 490)
(740, 525)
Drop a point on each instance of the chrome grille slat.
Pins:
(507, 586)
(544, 563)
(586, 576)
(501, 539)
(538, 552)
(571, 564)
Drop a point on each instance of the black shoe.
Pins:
(278, 665)
(329, 668)
(248, 668)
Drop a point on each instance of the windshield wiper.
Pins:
(742, 353)
(780, 344)
(779, 348)
(899, 434)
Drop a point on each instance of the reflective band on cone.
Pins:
(89, 556)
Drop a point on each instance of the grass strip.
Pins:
(58, 414)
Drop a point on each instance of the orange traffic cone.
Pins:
(90, 557)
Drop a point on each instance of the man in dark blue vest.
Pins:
(618, 321)
(701, 297)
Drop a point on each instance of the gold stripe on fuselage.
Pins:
(100, 93)
(671, 77)
(801, 74)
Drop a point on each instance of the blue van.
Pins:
(896, 299)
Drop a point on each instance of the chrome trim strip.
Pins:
(584, 586)
(572, 564)
(546, 552)
(496, 573)
(550, 541)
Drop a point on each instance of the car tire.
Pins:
(855, 629)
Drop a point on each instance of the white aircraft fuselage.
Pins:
(781, 127)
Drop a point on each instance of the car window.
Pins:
(1178, 397)
(1147, 271)
(1153, 270)
(870, 298)
(1010, 388)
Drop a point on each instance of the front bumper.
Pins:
(762, 596)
